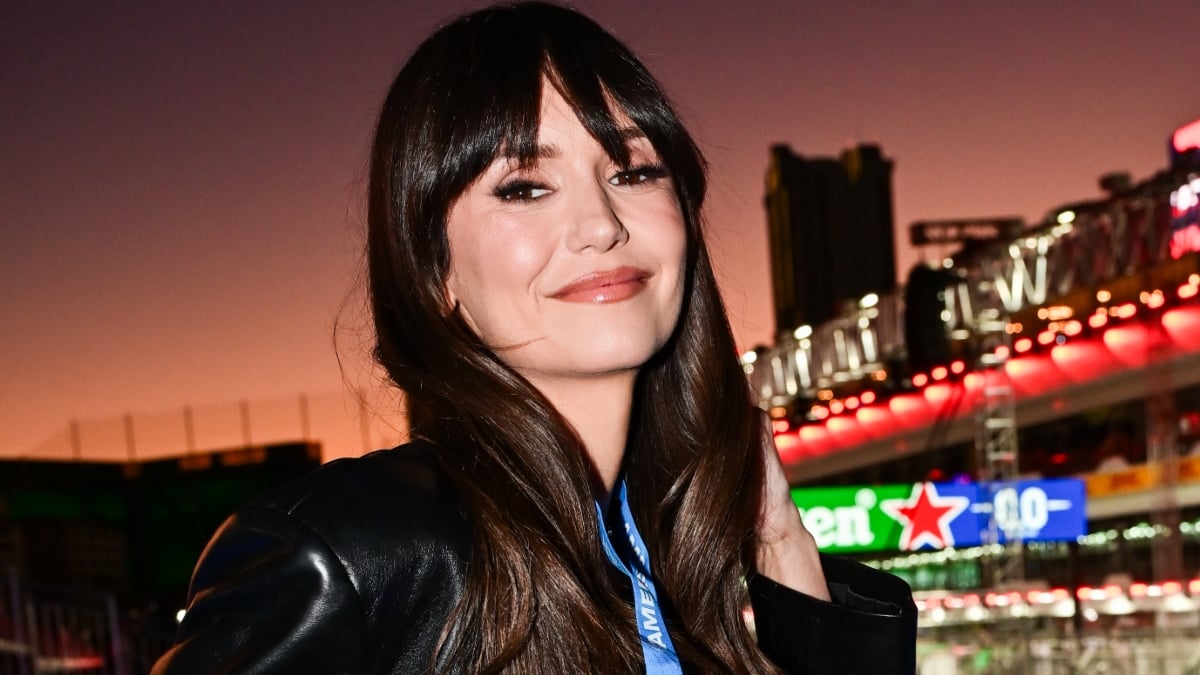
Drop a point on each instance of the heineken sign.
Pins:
(941, 515)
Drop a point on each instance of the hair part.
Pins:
(539, 594)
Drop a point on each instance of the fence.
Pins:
(346, 424)
(46, 629)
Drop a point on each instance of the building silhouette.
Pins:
(95, 557)
(133, 528)
(831, 232)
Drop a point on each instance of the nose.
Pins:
(597, 225)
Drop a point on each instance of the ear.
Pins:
(450, 299)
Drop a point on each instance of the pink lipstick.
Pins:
(604, 287)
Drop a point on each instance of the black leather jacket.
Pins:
(355, 567)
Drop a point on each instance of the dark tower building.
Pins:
(830, 223)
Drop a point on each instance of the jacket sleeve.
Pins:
(268, 596)
(869, 627)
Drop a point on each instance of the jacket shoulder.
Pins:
(390, 516)
(360, 561)
(401, 491)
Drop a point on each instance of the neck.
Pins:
(598, 408)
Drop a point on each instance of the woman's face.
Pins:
(571, 267)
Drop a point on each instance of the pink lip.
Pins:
(603, 287)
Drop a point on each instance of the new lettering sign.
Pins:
(941, 515)
(926, 232)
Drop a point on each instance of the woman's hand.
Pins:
(787, 552)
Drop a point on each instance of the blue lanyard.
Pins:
(657, 649)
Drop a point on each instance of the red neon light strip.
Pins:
(1186, 137)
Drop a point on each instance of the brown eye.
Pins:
(521, 191)
(639, 175)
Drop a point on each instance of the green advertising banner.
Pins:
(849, 519)
(911, 517)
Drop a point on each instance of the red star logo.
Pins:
(926, 517)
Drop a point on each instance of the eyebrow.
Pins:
(551, 151)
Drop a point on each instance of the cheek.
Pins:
(656, 221)
(672, 240)
(665, 237)
(508, 259)
(495, 264)
(519, 254)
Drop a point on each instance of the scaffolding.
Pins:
(996, 446)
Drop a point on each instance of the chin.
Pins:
(616, 355)
(591, 356)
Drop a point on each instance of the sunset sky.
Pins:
(181, 184)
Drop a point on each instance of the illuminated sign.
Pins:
(958, 231)
(1185, 138)
(1185, 218)
(940, 515)
(1036, 510)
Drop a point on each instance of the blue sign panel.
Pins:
(1033, 510)
(941, 515)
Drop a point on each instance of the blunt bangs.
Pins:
(486, 89)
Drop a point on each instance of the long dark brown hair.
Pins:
(540, 596)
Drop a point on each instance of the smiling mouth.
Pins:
(604, 287)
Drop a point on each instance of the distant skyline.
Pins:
(181, 191)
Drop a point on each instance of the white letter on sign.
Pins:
(1035, 511)
(821, 523)
(1007, 510)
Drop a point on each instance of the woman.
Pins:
(589, 488)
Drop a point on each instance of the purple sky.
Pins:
(181, 183)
